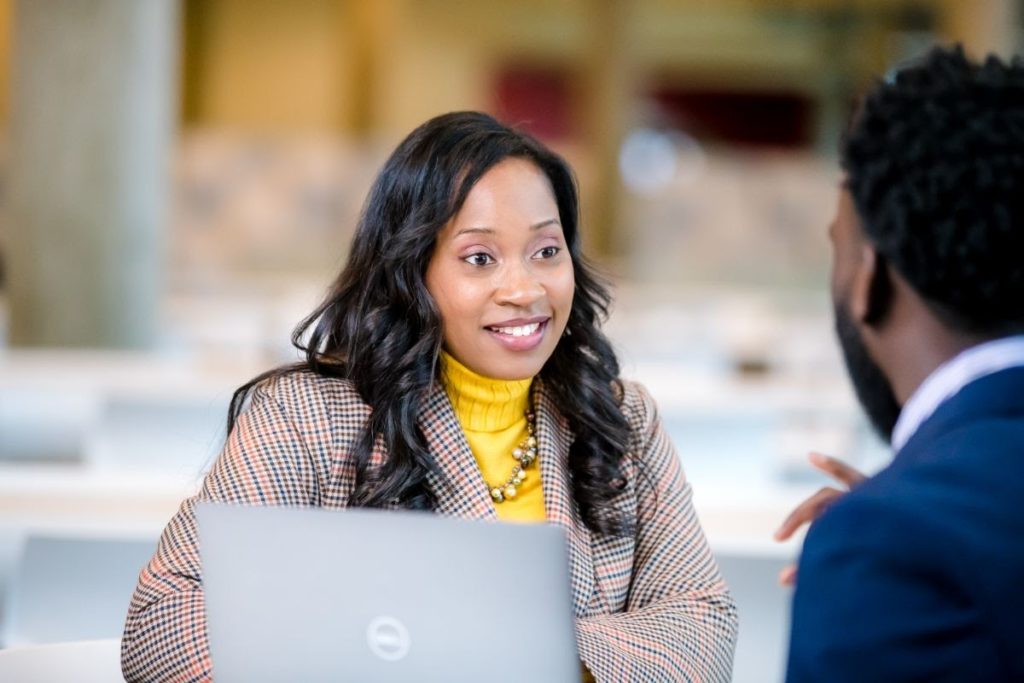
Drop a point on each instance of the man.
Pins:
(917, 574)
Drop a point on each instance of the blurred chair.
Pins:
(764, 608)
(72, 588)
(92, 661)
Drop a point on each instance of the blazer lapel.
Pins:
(460, 489)
(553, 441)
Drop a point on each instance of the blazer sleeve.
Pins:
(264, 462)
(680, 623)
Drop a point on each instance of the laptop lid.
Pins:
(360, 595)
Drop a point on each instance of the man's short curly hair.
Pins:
(934, 161)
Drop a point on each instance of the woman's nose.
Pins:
(519, 286)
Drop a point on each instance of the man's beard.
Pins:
(873, 389)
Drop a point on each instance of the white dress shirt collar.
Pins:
(952, 376)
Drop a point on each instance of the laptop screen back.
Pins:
(357, 595)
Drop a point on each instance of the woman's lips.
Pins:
(523, 337)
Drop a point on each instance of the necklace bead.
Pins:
(525, 454)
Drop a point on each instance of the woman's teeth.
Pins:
(520, 331)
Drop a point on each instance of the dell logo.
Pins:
(388, 638)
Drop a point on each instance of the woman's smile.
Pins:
(520, 335)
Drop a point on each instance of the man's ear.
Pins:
(871, 293)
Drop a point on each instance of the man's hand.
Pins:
(811, 509)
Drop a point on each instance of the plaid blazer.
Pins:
(650, 607)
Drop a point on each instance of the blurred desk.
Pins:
(75, 501)
(66, 498)
(94, 661)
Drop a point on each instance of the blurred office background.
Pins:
(180, 180)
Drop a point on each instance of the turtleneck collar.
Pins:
(482, 404)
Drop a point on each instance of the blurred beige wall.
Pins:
(983, 26)
(382, 66)
(361, 66)
(265, 63)
(5, 59)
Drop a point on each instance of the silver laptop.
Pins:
(306, 594)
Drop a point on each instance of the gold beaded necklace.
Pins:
(525, 454)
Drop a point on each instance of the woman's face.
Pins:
(501, 274)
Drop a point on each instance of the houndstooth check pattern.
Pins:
(651, 607)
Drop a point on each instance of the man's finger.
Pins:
(837, 469)
(806, 512)
(787, 577)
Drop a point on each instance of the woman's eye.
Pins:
(479, 259)
(548, 252)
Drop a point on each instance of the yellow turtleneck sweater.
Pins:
(492, 414)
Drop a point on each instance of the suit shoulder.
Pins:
(308, 397)
(636, 404)
(885, 517)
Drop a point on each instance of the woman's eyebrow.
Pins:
(543, 224)
(481, 230)
(485, 230)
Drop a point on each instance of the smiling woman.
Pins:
(501, 274)
(459, 353)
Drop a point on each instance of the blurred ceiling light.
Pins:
(651, 160)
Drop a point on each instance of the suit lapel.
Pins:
(553, 441)
(460, 489)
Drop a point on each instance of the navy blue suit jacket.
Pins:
(918, 574)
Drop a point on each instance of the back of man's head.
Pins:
(935, 165)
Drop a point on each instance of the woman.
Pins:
(457, 366)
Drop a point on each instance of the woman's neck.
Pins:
(483, 404)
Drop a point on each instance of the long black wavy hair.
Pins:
(380, 329)
(935, 165)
